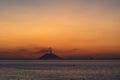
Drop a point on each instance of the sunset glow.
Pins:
(70, 27)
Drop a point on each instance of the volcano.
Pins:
(50, 56)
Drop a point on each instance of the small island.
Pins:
(50, 55)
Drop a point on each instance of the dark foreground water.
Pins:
(60, 70)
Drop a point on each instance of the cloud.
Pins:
(42, 51)
(22, 50)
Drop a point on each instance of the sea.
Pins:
(59, 69)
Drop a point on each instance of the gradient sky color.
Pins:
(71, 27)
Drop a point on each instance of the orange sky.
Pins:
(63, 25)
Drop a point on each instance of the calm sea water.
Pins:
(60, 70)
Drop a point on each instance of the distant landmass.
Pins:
(50, 55)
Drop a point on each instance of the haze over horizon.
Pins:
(73, 28)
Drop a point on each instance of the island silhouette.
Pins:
(50, 55)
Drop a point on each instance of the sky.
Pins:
(71, 27)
